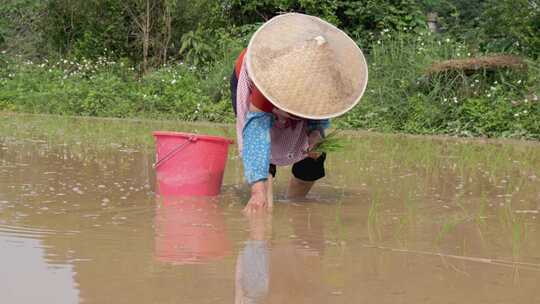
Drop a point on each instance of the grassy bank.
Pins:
(399, 98)
(107, 88)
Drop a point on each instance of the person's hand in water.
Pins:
(313, 139)
(259, 198)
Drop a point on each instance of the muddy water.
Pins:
(397, 220)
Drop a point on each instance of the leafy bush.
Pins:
(400, 97)
(365, 20)
(109, 88)
(192, 46)
(512, 25)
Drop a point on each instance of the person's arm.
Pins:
(256, 157)
(316, 130)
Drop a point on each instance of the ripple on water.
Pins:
(32, 232)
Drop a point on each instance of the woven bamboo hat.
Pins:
(306, 66)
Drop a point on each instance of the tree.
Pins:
(19, 28)
(512, 25)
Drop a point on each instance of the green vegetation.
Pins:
(111, 89)
(330, 143)
(169, 59)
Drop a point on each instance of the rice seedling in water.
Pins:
(448, 225)
(340, 232)
(515, 227)
(374, 230)
(481, 214)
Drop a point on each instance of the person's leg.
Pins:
(305, 173)
(234, 85)
(270, 193)
(269, 185)
(298, 188)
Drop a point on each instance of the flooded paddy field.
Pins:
(399, 219)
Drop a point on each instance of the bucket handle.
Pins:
(189, 140)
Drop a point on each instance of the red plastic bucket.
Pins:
(190, 164)
(190, 231)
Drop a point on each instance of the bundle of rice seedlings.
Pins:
(330, 143)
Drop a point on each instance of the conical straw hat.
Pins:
(306, 66)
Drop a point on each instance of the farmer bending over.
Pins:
(297, 72)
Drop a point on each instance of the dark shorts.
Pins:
(234, 85)
(308, 169)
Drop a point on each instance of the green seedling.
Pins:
(330, 143)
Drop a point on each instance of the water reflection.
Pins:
(189, 230)
(36, 280)
(286, 270)
(252, 274)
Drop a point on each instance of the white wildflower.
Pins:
(173, 81)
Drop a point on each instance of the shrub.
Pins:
(108, 88)
(400, 97)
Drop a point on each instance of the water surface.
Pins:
(398, 219)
